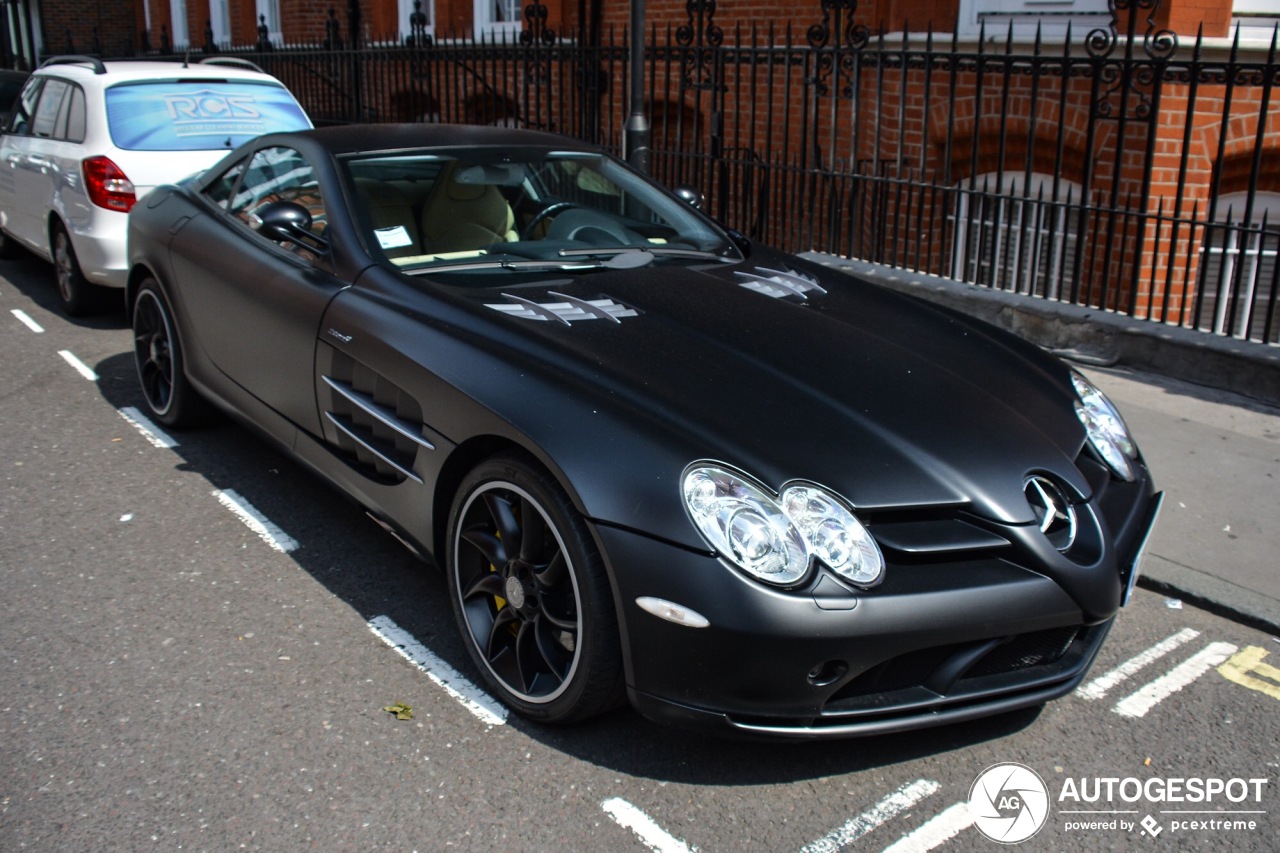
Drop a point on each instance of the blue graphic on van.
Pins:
(197, 116)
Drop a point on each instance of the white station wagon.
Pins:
(87, 139)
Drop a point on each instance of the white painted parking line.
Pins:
(26, 320)
(1177, 678)
(1098, 688)
(151, 432)
(654, 837)
(83, 369)
(454, 683)
(935, 832)
(890, 807)
(255, 521)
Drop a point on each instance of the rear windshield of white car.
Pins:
(198, 115)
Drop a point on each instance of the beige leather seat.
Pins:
(392, 216)
(460, 216)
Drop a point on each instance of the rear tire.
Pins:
(157, 352)
(79, 296)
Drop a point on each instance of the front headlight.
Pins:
(1105, 428)
(774, 538)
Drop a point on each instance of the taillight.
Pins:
(108, 187)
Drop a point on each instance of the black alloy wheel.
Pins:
(158, 356)
(531, 595)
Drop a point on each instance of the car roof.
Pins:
(356, 138)
(109, 72)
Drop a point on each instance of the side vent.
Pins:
(372, 428)
(571, 310)
(780, 284)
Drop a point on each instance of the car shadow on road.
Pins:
(374, 575)
(34, 278)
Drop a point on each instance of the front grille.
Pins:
(913, 670)
(1024, 651)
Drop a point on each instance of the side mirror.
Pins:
(287, 222)
(690, 196)
(742, 241)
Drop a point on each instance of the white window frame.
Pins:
(486, 25)
(1028, 270)
(1255, 20)
(1252, 254)
(220, 21)
(406, 12)
(178, 33)
(1051, 16)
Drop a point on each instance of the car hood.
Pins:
(890, 401)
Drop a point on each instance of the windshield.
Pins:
(494, 212)
(199, 115)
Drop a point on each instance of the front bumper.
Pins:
(940, 641)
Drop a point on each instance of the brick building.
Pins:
(1133, 165)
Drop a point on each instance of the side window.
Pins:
(25, 108)
(278, 174)
(72, 121)
(219, 190)
(46, 118)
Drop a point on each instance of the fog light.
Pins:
(828, 672)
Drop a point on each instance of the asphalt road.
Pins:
(187, 662)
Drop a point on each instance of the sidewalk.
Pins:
(1206, 413)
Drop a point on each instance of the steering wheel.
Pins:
(548, 211)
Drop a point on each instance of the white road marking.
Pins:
(150, 431)
(890, 807)
(936, 831)
(654, 837)
(1177, 678)
(255, 521)
(454, 683)
(83, 369)
(1098, 688)
(26, 320)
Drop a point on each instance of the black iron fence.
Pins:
(1118, 168)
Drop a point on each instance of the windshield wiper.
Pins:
(618, 259)
(664, 251)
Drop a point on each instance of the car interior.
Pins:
(424, 209)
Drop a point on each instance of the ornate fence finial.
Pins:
(535, 25)
(353, 23)
(332, 31)
(837, 19)
(699, 37)
(418, 27)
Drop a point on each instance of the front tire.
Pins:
(530, 593)
(79, 296)
(157, 352)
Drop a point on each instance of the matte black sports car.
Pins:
(653, 459)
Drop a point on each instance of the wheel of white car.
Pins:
(79, 296)
(157, 352)
(531, 595)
